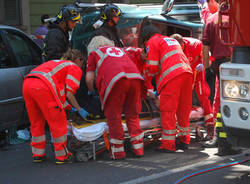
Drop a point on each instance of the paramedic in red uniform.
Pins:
(167, 62)
(119, 84)
(47, 89)
(192, 48)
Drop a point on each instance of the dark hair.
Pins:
(43, 17)
(178, 37)
(146, 33)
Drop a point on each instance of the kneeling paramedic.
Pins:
(47, 89)
(119, 84)
(171, 68)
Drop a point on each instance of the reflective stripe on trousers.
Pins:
(168, 134)
(61, 141)
(183, 131)
(116, 147)
(38, 140)
(137, 144)
(38, 151)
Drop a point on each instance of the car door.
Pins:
(18, 56)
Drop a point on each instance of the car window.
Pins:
(23, 49)
(5, 61)
(128, 31)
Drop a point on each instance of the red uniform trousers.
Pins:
(176, 102)
(203, 92)
(126, 94)
(41, 106)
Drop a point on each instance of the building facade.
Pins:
(25, 14)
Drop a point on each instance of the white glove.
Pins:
(199, 67)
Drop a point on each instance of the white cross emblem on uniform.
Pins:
(115, 52)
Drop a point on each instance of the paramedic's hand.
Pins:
(83, 113)
(199, 67)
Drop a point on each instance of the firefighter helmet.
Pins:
(109, 11)
(68, 12)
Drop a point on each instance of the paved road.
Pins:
(16, 167)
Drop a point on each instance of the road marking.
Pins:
(173, 171)
(156, 176)
(127, 165)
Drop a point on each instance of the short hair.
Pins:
(72, 55)
(43, 17)
(178, 37)
(99, 41)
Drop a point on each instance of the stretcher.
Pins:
(89, 138)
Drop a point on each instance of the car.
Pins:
(18, 55)
(183, 18)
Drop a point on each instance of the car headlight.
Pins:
(235, 90)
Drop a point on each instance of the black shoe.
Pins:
(69, 160)
(230, 151)
(162, 150)
(38, 159)
(139, 156)
(181, 146)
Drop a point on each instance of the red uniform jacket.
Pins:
(110, 64)
(135, 55)
(165, 59)
(60, 76)
(193, 48)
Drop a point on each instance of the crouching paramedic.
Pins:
(192, 48)
(47, 89)
(119, 84)
(167, 62)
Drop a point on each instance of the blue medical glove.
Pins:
(83, 113)
(155, 93)
(73, 109)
